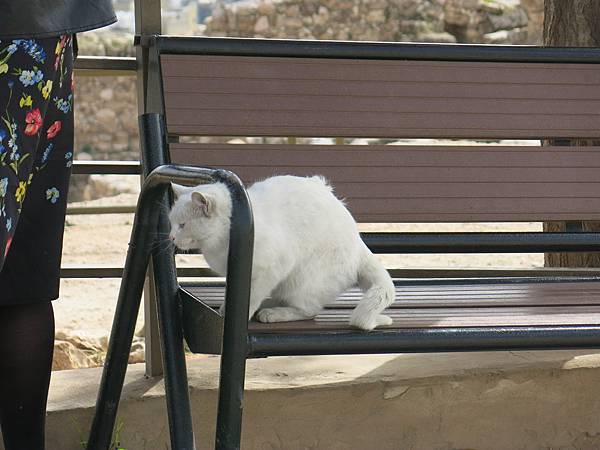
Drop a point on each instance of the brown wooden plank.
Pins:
(312, 68)
(479, 217)
(378, 174)
(383, 155)
(428, 183)
(453, 317)
(212, 95)
(459, 296)
(281, 102)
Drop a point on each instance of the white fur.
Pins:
(307, 249)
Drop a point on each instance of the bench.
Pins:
(229, 87)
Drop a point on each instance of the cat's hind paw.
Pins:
(369, 324)
(384, 321)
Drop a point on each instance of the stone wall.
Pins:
(106, 107)
(473, 21)
(362, 20)
(482, 21)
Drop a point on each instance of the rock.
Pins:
(291, 23)
(262, 25)
(137, 353)
(106, 117)
(106, 94)
(246, 25)
(77, 187)
(507, 19)
(82, 340)
(470, 20)
(506, 36)
(266, 8)
(218, 20)
(68, 356)
(378, 4)
(83, 156)
(321, 19)
(376, 16)
(106, 43)
(535, 23)
(293, 11)
(458, 13)
(78, 349)
(344, 35)
(244, 8)
(444, 38)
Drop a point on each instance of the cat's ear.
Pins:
(178, 190)
(204, 202)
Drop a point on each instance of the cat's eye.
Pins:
(181, 225)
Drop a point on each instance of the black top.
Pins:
(48, 18)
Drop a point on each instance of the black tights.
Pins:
(26, 346)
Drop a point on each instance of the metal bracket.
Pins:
(202, 325)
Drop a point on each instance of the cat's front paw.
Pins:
(281, 314)
(268, 315)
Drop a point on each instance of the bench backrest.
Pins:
(234, 94)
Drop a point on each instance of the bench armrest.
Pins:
(241, 239)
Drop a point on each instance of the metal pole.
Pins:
(128, 304)
(423, 340)
(166, 287)
(235, 333)
(148, 22)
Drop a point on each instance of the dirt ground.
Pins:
(86, 306)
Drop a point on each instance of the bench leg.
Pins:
(235, 330)
(123, 328)
(231, 393)
(173, 355)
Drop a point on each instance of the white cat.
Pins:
(307, 249)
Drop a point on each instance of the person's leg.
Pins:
(26, 346)
(36, 143)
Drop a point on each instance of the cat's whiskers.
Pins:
(163, 203)
(160, 246)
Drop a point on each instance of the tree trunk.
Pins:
(572, 23)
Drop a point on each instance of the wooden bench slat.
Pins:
(452, 317)
(273, 96)
(474, 72)
(281, 102)
(429, 298)
(440, 175)
(384, 155)
(428, 183)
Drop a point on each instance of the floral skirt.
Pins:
(36, 153)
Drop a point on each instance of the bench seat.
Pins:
(451, 303)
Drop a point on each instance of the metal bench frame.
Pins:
(237, 343)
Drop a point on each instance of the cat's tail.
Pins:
(379, 293)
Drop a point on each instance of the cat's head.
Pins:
(199, 214)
